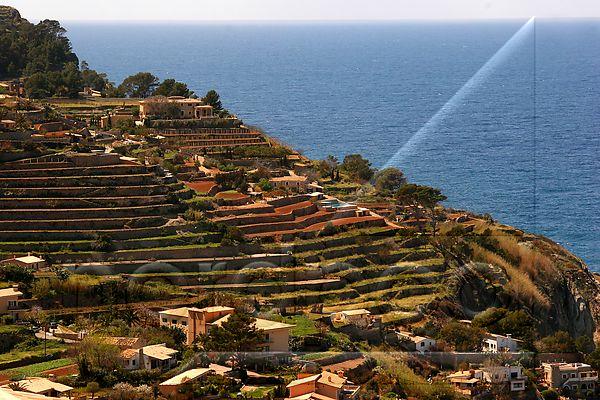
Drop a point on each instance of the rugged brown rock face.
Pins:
(573, 294)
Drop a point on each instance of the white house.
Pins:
(422, 344)
(511, 374)
(30, 261)
(494, 343)
(156, 356)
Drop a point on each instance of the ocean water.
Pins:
(341, 88)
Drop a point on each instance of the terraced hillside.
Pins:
(372, 268)
(291, 217)
(209, 140)
(74, 205)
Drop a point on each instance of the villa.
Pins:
(198, 321)
(494, 343)
(296, 183)
(575, 376)
(175, 107)
(323, 386)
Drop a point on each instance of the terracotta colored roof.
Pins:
(331, 379)
(129, 353)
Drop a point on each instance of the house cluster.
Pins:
(474, 382)
(575, 377)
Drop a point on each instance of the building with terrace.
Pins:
(10, 301)
(198, 321)
(574, 376)
(295, 183)
(494, 343)
(176, 107)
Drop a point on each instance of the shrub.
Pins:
(202, 204)
(103, 243)
(462, 336)
(560, 342)
(550, 394)
(329, 230)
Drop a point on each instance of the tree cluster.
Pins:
(27, 49)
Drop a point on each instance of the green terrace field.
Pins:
(38, 368)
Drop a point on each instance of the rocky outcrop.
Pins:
(573, 293)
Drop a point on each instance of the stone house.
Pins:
(323, 386)
(198, 321)
(575, 376)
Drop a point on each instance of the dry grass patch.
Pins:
(520, 283)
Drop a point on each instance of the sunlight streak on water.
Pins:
(459, 97)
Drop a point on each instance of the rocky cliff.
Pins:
(528, 272)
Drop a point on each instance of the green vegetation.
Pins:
(236, 335)
(304, 326)
(29, 49)
(37, 368)
(357, 168)
(389, 180)
(170, 87)
(31, 349)
(141, 84)
(502, 321)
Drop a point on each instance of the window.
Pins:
(422, 344)
(572, 375)
(164, 320)
(174, 321)
(133, 362)
(184, 323)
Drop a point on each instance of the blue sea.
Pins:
(341, 88)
